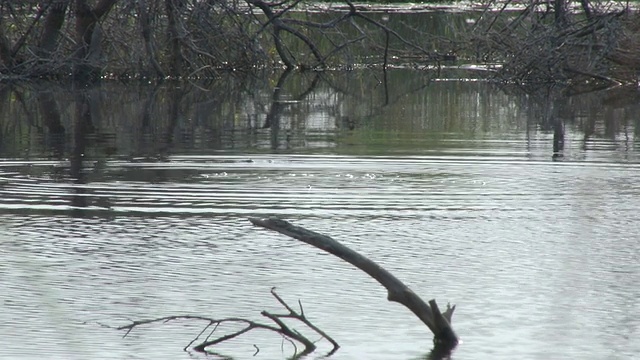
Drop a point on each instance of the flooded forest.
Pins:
(484, 153)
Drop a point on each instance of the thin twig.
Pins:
(287, 333)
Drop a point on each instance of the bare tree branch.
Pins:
(438, 323)
(283, 329)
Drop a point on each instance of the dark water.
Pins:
(127, 202)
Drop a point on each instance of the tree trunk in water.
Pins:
(145, 26)
(438, 322)
(51, 28)
(88, 37)
(175, 61)
(5, 49)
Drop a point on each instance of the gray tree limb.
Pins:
(439, 323)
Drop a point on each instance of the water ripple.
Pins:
(543, 244)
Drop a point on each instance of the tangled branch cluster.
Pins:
(290, 334)
(547, 42)
(189, 38)
(536, 42)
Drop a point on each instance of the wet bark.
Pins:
(278, 26)
(438, 322)
(586, 7)
(560, 10)
(175, 56)
(289, 63)
(51, 28)
(88, 37)
(5, 48)
(145, 27)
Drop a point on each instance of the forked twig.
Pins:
(287, 333)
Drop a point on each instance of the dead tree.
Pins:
(89, 36)
(438, 322)
(51, 30)
(541, 44)
(335, 31)
(195, 39)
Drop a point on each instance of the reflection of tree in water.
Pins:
(86, 145)
(297, 110)
(278, 104)
(609, 115)
(89, 148)
(233, 112)
(545, 112)
(175, 98)
(306, 104)
(16, 117)
(83, 127)
(4, 125)
(56, 132)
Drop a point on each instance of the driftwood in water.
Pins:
(438, 322)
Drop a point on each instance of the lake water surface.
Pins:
(131, 202)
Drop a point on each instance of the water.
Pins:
(130, 212)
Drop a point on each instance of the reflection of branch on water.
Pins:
(20, 98)
(173, 117)
(558, 138)
(52, 121)
(385, 82)
(278, 105)
(439, 353)
(148, 107)
(175, 98)
(277, 101)
(273, 115)
(4, 123)
(343, 121)
(83, 127)
(390, 95)
(9, 95)
(86, 106)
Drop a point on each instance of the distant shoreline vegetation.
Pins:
(559, 42)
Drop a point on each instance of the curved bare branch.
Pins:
(437, 322)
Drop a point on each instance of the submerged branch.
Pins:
(283, 329)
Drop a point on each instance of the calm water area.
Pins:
(123, 202)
